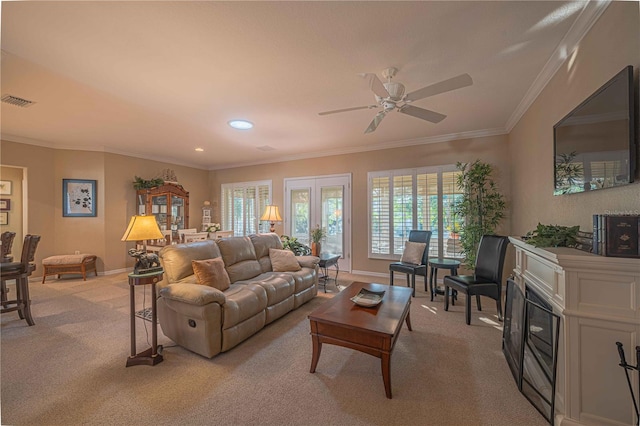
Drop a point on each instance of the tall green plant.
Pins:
(481, 207)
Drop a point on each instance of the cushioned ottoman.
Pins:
(69, 264)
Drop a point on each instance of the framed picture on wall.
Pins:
(4, 218)
(5, 187)
(79, 198)
(5, 204)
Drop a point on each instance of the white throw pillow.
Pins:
(413, 252)
(283, 261)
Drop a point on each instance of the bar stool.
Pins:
(20, 271)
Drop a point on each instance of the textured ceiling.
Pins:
(158, 79)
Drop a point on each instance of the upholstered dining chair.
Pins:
(487, 277)
(413, 264)
(6, 243)
(20, 271)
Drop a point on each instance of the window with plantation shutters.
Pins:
(402, 200)
(242, 205)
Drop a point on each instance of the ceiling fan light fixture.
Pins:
(241, 124)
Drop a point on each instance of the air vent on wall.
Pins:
(14, 100)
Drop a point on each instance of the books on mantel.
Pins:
(616, 235)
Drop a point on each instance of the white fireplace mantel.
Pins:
(598, 300)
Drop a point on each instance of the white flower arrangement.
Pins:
(213, 227)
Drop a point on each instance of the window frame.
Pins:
(229, 223)
(413, 172)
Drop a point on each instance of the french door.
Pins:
(323, 201)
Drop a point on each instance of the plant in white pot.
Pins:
(317, 234)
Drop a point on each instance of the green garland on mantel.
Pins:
(552, 236)
(140, 183)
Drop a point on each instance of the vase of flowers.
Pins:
(317, 234)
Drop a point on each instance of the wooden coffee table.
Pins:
(373, 331)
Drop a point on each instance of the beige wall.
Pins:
(611, 44)
(523, 161)
(114, 173)
(490, 149)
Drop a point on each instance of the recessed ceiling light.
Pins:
(199, 149)
(241, 124)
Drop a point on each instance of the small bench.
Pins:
(69, 264)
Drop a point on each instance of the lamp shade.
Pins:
(142, 228)
(272, 214)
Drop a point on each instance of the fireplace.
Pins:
(530, 346)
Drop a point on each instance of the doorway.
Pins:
(323, 201)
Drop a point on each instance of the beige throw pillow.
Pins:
(211, 273)
(283, 261)
(413, 252)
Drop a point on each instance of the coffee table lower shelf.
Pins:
(373, 331)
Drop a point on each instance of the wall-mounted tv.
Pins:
(595, 144)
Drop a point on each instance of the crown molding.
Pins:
(389, 145)
(590, 13)
(44, 144)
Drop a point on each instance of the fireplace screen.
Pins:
(530, 345)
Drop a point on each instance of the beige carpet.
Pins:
(69, 369)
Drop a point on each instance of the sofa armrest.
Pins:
(193, 294)
(308, 261)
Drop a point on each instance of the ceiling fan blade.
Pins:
(424, 114)
(348, 109)
(376, 121)
(376, 85)
(453, 83)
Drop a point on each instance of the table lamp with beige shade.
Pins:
(143, 228)
(272, 215)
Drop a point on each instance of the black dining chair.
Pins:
(20, 271)
(412, 269)
(487, 277)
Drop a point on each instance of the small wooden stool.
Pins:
(69, 264)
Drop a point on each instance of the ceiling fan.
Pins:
(390, 96)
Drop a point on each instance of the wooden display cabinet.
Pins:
(169, 204)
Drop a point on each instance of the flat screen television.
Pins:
(595, 144)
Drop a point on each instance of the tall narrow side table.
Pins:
(441, 263)
(149, 356)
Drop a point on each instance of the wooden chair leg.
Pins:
(499, 306)
(26, 301)
(478, 302)
(391, 278)
(467, 310)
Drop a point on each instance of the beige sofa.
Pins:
(208, 321)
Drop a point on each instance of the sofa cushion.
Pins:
(211, 272)
(239, 258)
(283, 261)
(262, 243)
(242, 303)
(176, 259)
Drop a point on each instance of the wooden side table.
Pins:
(151, 355)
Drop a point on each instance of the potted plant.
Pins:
(292, 243)
(480, 208)
(317, 234)
(553, 236)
